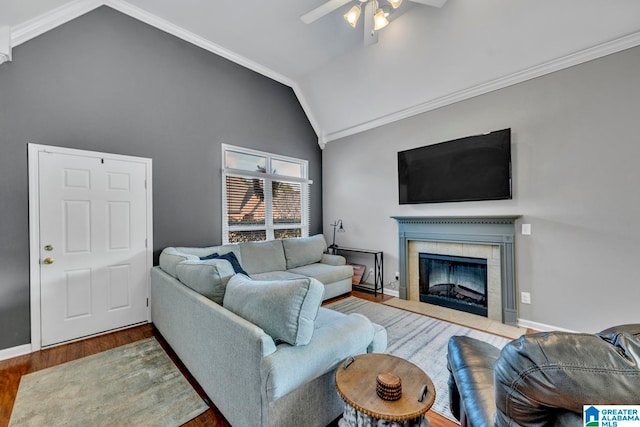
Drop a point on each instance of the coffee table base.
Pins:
(353, 418)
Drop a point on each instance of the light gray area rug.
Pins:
(419, 339)
(133, 385)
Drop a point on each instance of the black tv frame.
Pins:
(473, 168)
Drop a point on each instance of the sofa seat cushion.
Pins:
(208, 278)
(304, 250)
(284, 309)
(325, 273)
(336, 337)
(277, 275)
(258, 257)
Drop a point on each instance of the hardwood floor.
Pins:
(12, 370)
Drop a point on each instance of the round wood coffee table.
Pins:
(356, 384)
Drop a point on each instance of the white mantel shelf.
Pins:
(496, 230)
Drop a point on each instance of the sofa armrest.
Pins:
(336, 337)
(616, 333)
(380, 339)
(542, 375)
(333, 259)
(217, 346)
(170, 257)
(470, 362)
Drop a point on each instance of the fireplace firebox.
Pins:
(454, 282)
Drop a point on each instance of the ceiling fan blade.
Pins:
(322, 10)
(434, 3)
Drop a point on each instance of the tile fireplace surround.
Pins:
(451, 234)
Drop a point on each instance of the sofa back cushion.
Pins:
(284, 309)
(260, 257)
(170, 257)
(304, 250)
(208, 277)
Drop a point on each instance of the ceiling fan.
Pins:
(375, 16)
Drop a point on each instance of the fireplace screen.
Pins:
(455, 282)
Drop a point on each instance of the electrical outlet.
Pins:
(397, 275)
(525, 297)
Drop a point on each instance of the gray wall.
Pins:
(576, 149)
(107, 82)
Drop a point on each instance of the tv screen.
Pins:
(472, 168)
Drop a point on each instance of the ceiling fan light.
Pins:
(352, 16)
(380, 20)
(395, 3)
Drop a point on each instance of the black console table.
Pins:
(378, 269)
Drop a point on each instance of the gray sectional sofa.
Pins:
(261, 347)
(274, 259)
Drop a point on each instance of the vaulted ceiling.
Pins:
(426, 58)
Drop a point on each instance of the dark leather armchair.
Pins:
(543, 379)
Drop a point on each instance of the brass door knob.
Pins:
(48, 261)
(48, 248)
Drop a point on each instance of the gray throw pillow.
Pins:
(285, 309)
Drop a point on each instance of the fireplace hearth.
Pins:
(454, 282)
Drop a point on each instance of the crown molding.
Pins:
(181, 33)
(576, 58)
(5, 43)
(166, 26)
(61, 15)
(50, 20)
(307, 110)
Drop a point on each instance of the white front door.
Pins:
(93, 244)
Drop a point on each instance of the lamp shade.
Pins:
(5, 43)
(380, 20)
(352, 15)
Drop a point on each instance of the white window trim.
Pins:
(269, 226)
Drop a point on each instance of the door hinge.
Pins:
(147, 302)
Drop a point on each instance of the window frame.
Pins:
(269, 227)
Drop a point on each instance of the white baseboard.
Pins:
(392, 292)
(20, 350)
(387, 291)
(536, 326)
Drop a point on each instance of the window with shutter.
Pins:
(264, 197)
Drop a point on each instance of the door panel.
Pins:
(78, 294)
(119, 287)
(77, 226)
(93, 225)
(118, 223)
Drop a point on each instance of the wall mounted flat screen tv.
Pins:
(466, 169)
